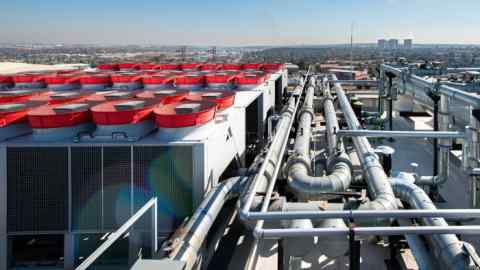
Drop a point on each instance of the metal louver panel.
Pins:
(116, 186)
(37, 188)
(164, 172)
(86, 188)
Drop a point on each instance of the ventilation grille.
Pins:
(116, 186)
(37, 188)
(105, 190)
(87, 188)
(164, 172)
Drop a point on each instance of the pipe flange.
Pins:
(294, 159)
(337, 158)
(306, 110)
(287, 110)
(328, 97)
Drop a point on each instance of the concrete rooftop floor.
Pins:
(456, 193)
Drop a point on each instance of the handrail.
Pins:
(400, 134)
(151, 204)
(424, 85)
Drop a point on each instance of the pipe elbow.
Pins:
(379, 204)
(304, 185)
(460, 261)
(243, 214)
(258, 233)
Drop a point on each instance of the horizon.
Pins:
(273, 23)
(232, 46)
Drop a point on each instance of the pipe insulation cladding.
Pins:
(379, 187)
(446, 247)
(300, 179)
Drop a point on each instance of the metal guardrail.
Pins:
(400, 134)
(150, 205)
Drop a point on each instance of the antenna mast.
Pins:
(183, 52)
(213, 53)
(351, 51)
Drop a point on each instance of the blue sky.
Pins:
(243, 22)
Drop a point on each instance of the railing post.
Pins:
(354, 250)
(69, 250)
(154, 244)
(281, 254)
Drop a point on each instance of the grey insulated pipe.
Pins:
(274, 155)
(377, 181)
(188, 244)
(447, 248)
(444, 144)
(331, 123)
(265, 178)
(300, 179)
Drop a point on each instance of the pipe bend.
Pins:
(305, 185)
(447, 247)
(340, 158)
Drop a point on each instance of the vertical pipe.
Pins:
(471, 152)
(381, 90)
(390, 103)
(467, 162)
(475, 129)
(467, 149)
(435, 140)
(444, 144)
(154, 244)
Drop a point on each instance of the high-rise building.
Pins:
(393, 44)
(408, 43)
(382, 44)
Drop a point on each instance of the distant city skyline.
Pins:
(238, 23)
